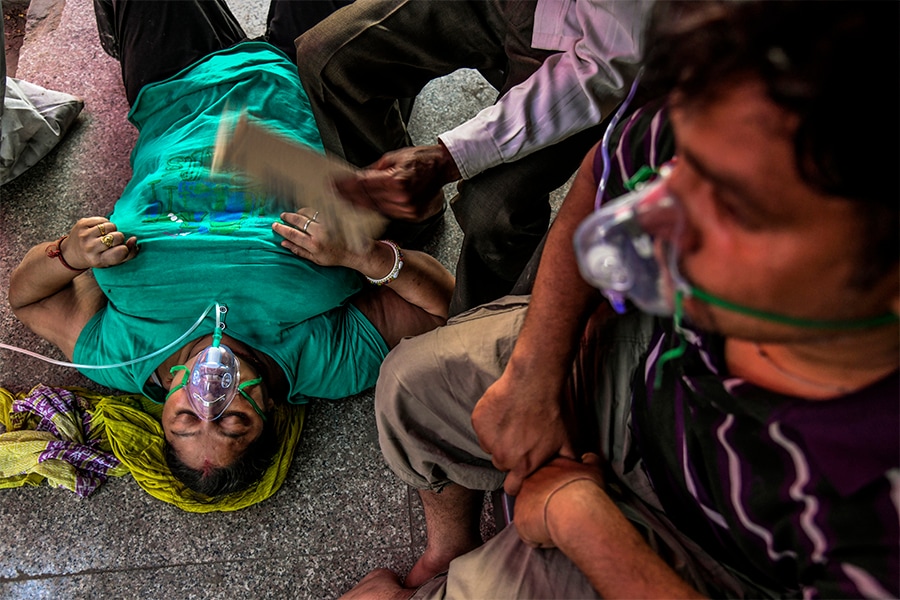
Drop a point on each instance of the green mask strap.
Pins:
(241, 387)
(759, 314)
(183, 383)
(796, 322)
(677, 351)
(249, 398)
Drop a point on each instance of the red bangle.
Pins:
(55, 251)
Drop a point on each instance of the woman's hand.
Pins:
(307, 237)
(96, 242)
(561, 485)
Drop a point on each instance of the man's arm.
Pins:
(564, 505)
(55, 298)
(572, 90)
(520, 420)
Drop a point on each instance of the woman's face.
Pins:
(206, 445)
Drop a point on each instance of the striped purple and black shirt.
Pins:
(802, 498)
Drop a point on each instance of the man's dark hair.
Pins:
(238, 476)
(834, 65)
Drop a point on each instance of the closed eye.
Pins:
(232, 424)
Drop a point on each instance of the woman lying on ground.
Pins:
(289, 314)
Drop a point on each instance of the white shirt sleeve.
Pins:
(599, 48)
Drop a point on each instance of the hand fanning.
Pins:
(404, 184)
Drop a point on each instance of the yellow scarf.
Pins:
(132, 430)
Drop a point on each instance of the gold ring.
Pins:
(316, 217)
(102, 229)
(306, 225)
(107, 240)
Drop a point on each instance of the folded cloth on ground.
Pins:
(54, 435)
(129, 427)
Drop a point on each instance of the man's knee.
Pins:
(399, 378)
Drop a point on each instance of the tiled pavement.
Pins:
(340, 513)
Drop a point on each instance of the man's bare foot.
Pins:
(431, 563)
(380, 584)
(451, 520)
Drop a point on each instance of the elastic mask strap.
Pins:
(184, 381)
(793, 321)
(249, 398)
(677, 351)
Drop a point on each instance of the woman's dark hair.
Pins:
(833, 64)
(238, 476)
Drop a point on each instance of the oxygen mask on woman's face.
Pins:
(628, 248)
(213, 382)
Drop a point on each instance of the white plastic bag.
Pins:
(34, 120)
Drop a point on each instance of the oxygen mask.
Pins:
(628, 248)
(215, 379)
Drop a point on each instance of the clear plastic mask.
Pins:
(213, 382)
(627, 248)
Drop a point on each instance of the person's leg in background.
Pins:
(358, 62)
(363, 66)
(504, 214)
(155, 40)
(289, 19)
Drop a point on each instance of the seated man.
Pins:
(294, 317)
(745, 445)
(560, 68)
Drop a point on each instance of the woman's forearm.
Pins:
(421, 280)
(425, 283)
(40, 275)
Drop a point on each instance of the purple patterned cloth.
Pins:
(70, 419)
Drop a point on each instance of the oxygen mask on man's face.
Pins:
(628, 248)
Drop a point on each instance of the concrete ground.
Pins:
(340, 513)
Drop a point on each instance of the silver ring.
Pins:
(316, 217)
(306, 225)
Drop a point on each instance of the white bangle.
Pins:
(395, 270)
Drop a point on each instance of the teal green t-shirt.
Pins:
(207, 239)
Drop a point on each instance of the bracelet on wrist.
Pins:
(55, 251)
(395, 270)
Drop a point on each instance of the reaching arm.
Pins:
(597, 54)
(403, 184)
(519, 420)
(52, 294)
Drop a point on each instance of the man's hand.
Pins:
(555, 482)
(404, 184)
(519, 422)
